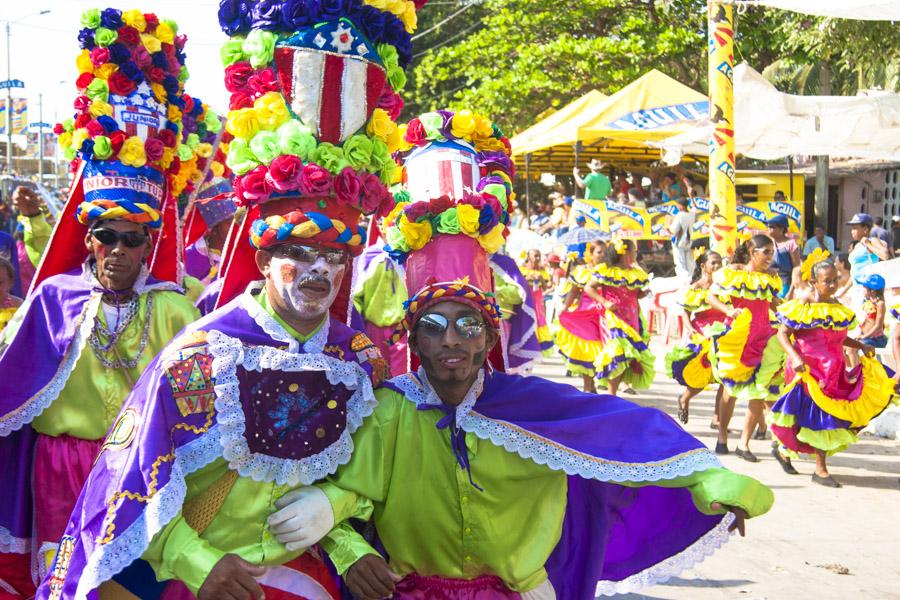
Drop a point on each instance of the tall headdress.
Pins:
(454, 213)
(314, 93)
(124, 140)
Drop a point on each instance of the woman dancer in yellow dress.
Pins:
(580, 337)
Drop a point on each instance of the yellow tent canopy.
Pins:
(538, 130)
(615, 129)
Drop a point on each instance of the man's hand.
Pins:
(26, 201)
(867, 350)
(740, 515)
(576, 171)
(233, 578)
(304, 518)
(370, 578)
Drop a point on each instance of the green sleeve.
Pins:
(722, 486)
(36, 235)
(345, 546)
(508, 296)
(381, 299)
(193, 287)
(178, 552)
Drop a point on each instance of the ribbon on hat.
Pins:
(315, 226)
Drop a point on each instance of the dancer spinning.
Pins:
(617, 286)
(580, 338)
(825, 404)
(539, 278)
(745, 354)
(689, 364)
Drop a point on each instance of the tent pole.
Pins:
(723, 213)
(528, 187)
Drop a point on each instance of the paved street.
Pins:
(816, 543)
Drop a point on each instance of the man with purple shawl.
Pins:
(551, 492)
(100, 307)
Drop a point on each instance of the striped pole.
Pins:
(723, 214)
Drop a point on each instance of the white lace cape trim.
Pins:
(228, 353)
(110, 559)
(272, 328)
(531, 357)
(670, 567)
(547, 452)
(12, 544)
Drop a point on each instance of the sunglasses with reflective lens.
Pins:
(109, 237)
(308, 254)
(436, 325)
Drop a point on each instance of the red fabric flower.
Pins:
(169, 51)
(84, 80)
(174, 166)
(156, 75)
(415, 133)
(81, 103)
(82, 120)
(129, 36)
(94, 129)
(180, 41)
(188, 104)
(236, 76)
(391, 102)
(141, 57)
(117, 138)
(152, 22)
(315, 181)
(284, 173)
(167, 137)
(253, 186)
(263, 81)
(58, 129)
(373, 191)
(120, 84)
(347, 187)
(416, 211)
(439, 205)
(153, 148)
(99, 56)
(240, 100)
(474, 200)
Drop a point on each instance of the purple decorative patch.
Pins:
(292, 415)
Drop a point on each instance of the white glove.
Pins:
(304, 518)
(544, 591)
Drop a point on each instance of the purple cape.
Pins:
(195, 404)
(58, 318)
(615, 538)
(521, 350)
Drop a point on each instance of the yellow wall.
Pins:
(776, 181)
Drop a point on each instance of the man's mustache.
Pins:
(313, 278)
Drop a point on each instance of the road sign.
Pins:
(11, 83)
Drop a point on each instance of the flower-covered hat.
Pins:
(125, 139)
(314, 93)
(455, 211)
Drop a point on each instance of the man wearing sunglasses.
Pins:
(487, 485)
(97, 314)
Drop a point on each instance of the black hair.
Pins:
(844, 259)
(613, 258)
(702, 260)
(7, 266)
(683, 201)
(743, 251)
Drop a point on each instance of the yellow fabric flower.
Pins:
(204, 150)
(397, 176)
(483, 128)
(174, 113)
(492, 240)
(99, 108)
(271, 111)
(395, 140)
(468, 219)
(84, 63)
(135, 18)
(78, 136)
(168, 156)
(416, 234)
(151, 43)
(243, 123)
(381, 125)
(106, 70)
(390, 219)
(410, 18)
(132, 152)
(158, 91)
(164, 33)
(217, 169)
(463, 124)
(65, 140)
(490, 143)
(379, 4)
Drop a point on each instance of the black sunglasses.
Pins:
(435, 325)
(108, 237)
(308, 254)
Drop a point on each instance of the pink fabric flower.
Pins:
(284, 173)
(347, 187)
(153, 148)
(253, 187)
(315, 181)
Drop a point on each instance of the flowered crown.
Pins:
(127, 127)
(201, 153)
(314, 93)
(459, 182)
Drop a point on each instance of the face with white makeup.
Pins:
(302, 281)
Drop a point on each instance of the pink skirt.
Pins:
(61, 466)
(485, 587)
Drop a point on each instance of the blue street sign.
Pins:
(11, 83)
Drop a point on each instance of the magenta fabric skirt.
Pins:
(485, 587)
(61, 466)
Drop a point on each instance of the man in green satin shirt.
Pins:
(489, 521)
